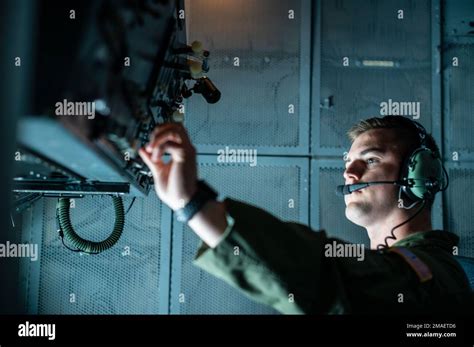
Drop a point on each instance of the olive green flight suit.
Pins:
(283, 264)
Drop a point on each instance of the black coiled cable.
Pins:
(67, 231)
(385, 245)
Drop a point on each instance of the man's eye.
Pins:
(372, 161)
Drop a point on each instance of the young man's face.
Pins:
(373, 156)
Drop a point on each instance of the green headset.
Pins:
(422, 174)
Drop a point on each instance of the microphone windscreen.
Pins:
(341, 190)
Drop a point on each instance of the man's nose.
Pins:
(352, 173)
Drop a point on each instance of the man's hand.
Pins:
(175, 181)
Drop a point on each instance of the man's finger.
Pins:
(175, 128)
(146, 157)
(177, 152)
(170, 135)
(157, 130)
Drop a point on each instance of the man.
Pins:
(285, 265)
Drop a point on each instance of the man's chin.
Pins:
(357, 214)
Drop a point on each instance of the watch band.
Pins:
(203, 194)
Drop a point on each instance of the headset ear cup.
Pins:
(404, 175)
(425, 172)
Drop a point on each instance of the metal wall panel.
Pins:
(368, 30)
(458, 21)
(112, 282)
(32, 221)
(458, 79)
(459, 205)
(269, 185)
(274, 53)
(459, 102)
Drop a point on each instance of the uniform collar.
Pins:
(440, 238)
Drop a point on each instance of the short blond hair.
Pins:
(406, 132)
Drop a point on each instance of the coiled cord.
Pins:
(67, 231)
(385, 245)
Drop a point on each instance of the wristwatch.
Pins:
(203, 194)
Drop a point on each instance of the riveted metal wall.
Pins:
(458, 116)
(459, 103)
(129, 278)
(368, 32)
(459, 206)
(270, 185)
(272, 45)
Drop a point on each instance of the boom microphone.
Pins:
(350, 188)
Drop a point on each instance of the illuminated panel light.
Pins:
(378, 63)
